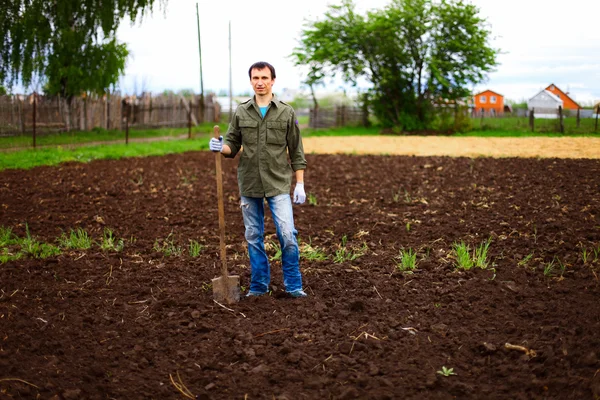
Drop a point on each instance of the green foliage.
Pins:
(408, 260)
(446, 371)
(414, 52)
(480, 255)
(195, 248)
(109, 242)
(466, 261)
(312, 253)
(167, 246)
(312, 199)
(344, 252)
(76, 240)
(463, 256)
(68, 43)
(525, 260)
(6, 237)
(274, 248)
(31, 247)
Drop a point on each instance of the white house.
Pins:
(545, 104)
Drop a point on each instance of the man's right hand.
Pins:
(215, 144)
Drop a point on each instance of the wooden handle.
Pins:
(221, 208)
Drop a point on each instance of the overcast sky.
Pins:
(541, 43)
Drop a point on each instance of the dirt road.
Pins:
(578, 147)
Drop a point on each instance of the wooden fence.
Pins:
(27, 114)
(337, 116)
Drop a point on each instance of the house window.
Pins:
(493, 99)
(482, 99)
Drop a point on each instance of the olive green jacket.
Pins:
(264, 168)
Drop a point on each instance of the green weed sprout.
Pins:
(549, 268)
(6, 237)
(408, 260)
(446, 371)
(480, 256)
(76, 240)
(273, 247)
(195, 248)
(310, 253)
(465, 261)
(168, 246)
(463, 258)
(109, 242)
(343, 253)
(31, 247)
(525, 260)
(312, 199)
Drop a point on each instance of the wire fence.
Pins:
(538, 120)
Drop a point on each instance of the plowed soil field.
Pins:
(140, 323)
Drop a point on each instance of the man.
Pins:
(268, 130)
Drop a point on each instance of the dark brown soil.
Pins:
(120, 325)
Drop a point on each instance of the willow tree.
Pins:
(414, 53)
(68, 45)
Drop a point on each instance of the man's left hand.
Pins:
(299, 195)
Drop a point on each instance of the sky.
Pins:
(540, 44)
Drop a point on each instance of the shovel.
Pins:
(226, 288)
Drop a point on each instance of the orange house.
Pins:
(568, 103)
(488, 101)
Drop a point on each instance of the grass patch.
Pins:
(167, 246)
(109, 242)
(347, 253)
(76, 240)
(466, 261)
(408, 261)
(195, 248)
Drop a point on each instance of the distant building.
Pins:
(488, 101)
(568, 103)
(545, 104)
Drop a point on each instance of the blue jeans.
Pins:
(253, 211)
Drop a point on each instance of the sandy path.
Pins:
(563, 147)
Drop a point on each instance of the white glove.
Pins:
(299, 195)
(215, 144)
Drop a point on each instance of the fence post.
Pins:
(127, 110)
(531, 118)
(481, 121)
(21, 112)
(578, 118)
(34, 115)
(190, 121)
(561, 122)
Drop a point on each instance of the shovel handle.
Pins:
(219, 174)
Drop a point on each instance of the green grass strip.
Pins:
(27, 159)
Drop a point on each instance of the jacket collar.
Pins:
(275, 101)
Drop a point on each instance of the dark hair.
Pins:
(261, 65)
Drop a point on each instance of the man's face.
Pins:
(261, 81)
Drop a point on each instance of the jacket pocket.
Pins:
(249, 129)
(276, 132)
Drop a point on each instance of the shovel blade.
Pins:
(226, 289)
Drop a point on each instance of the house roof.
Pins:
(549, 93)
(566, 95)
(488, 90)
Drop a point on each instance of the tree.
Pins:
(70, 44)
(414, 53)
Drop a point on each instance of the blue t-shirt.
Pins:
(263, 110)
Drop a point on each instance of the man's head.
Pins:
(262, 65)
(262, 78)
